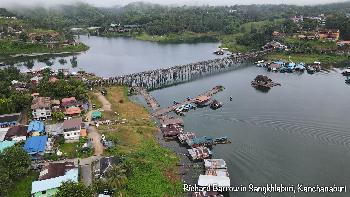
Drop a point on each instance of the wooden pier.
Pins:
(166, 110)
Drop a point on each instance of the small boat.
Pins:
(310, 69)
(204, 141)
(219, 52)
(283, 69)
(300, 67)
(273, 67)
(260, 63)
(171, 131)
(290, 67)
(183, 137)
(347, 80)
(346, 72)
(222, 140)
(215, 104)
(215, 164)
(317, 66)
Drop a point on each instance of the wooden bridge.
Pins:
(165, 77)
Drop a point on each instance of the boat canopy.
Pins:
(200, 140)
(215, 163)
(221, 181)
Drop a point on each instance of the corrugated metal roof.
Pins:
(36, 126)
(36, 144)
(206, 180)
(72, 123)
(39, 186)
(6, 144)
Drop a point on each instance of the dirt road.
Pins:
(106, 105)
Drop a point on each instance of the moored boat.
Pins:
(215, 104)
(183, 137)
(346, 72)
(310, 69)
(300, 67)
(199, 153)
(222, 140)
(347, 80)
(202, 100)
(200, 141)
(215, 164)
(219, 52)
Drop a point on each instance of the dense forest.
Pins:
(159, 20)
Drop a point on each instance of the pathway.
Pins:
(106, 105)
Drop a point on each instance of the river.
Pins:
(297, 133)
(118, 56)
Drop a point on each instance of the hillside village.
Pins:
(18, 36)
(56, 132)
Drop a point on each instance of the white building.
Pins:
(41, 107)
(71, 129)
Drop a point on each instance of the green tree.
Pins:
(58, 116)
(16, 161)
(116, 176)
(5, 181)
(72, 189)
(23, 37)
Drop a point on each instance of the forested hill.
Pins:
(197, 19)
(5, 13)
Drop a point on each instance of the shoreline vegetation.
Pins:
(152, 169)
(325, 59)
(172, 38)
(14, 49)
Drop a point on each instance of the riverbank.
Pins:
(153, 169)
(184, 37)
(326, 60)
(14, 49)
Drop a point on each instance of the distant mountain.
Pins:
(83, 15)
(5, 13)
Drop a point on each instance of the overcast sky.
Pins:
(4, 3)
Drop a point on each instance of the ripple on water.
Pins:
(323, 132)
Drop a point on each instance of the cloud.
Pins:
(5, 3)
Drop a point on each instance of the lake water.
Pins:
(297, 133)
(117, 56)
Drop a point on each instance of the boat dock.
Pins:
(166, 110)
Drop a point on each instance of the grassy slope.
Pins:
(313, 49)
(23, 187)
(72, 149)
(154, 168)
(309, 58)
(230, 40)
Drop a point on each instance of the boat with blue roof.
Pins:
(300, 67)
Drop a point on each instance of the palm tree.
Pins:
(116, 176)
